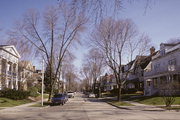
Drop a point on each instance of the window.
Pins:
(162, 52)
(157, 66)
(172, 62)
(155, 82)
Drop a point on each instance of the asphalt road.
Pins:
(80, 108)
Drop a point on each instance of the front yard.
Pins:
(152, 100)
(6, 102)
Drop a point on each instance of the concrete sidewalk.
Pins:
(136, 105)
(22, 107)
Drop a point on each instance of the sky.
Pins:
(160, 22)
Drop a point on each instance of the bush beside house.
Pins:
(14, 94)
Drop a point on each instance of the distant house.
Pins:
(9, 58)
(26, 74)
(108, 82)
(164, 68)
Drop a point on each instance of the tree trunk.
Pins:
(50, 93)
(119, 92)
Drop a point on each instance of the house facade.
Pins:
(133, 72)
(26, 74)
(163, 69)
(9, 58)
(108, 82)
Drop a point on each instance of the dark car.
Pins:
(59, 99)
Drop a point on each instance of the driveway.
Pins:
(80, 108)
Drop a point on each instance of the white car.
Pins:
(70, 94)
(91, 95)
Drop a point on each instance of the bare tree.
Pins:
(95, 61)
(52, 39)
(96, 10)
(86, 74)
(144, 45)
(111, 37)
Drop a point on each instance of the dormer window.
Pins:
(172, 62)
(157, 66)
(162, 52)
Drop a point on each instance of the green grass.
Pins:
(117, 103)
(153, 100)
(5, 102)
(44, 96)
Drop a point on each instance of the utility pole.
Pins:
(42, 86)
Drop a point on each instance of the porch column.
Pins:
(6, 79)
(12, 79)
(16, 79)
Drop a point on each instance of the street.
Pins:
(80, 108)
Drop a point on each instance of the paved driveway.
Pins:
(80, 108)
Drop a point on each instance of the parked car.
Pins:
(70, 94)
(66, 97)
(91, 95)
(59, 99)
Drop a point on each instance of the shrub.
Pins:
(33, 91)
(124, 91)
(131, 91)
(14, 94)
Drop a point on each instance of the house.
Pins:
(108, 82)
(26, 75)
(133, 72)
(134, 77)
(163, 69)
(9, 58)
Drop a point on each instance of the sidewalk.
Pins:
(143, 107)
(22, 107)
(136, 105)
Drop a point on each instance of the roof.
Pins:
(170, 44)
(11, 50)
(142, 61)
(26, 65)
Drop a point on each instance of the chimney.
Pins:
(152, 50)
(34, 68)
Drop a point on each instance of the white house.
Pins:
(8, 67)
(164, 68)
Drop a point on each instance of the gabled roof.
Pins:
(141, 61)
(26, 65)
(10, 49)
(170, 44)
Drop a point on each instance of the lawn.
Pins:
(5, 102)
(153, 100)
